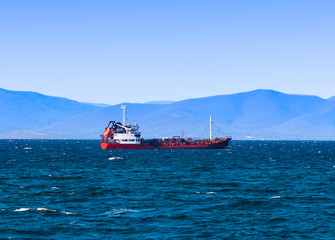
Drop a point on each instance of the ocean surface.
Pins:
(71, 189)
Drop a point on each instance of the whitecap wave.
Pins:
(52, 210)
(120, 211)
(41, 209)
(67, 212)
(113, 158)
(274, 197)
(21, 209)
(46, 210)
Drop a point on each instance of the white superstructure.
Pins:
(121, 133)
(127, 134)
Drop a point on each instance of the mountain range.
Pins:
(258, 114)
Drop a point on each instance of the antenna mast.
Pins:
(210, 127)
(124, 114)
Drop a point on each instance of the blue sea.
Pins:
(71, 189)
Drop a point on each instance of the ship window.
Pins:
(125, 140)
(131, 140)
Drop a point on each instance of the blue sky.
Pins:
(138, 51)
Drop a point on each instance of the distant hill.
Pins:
(331, 98)
(97, 104)
(31, 111)
(259, 114)
(159, 102)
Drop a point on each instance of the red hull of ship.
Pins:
(219, 145)
(125, 146)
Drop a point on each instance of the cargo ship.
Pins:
(126, 136)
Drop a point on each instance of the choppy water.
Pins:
(252, 190)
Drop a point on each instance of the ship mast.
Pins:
(124, 114)
(210, 127)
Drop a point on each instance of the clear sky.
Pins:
(137, 51)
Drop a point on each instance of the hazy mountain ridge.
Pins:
(20, 110)
(257, 114)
